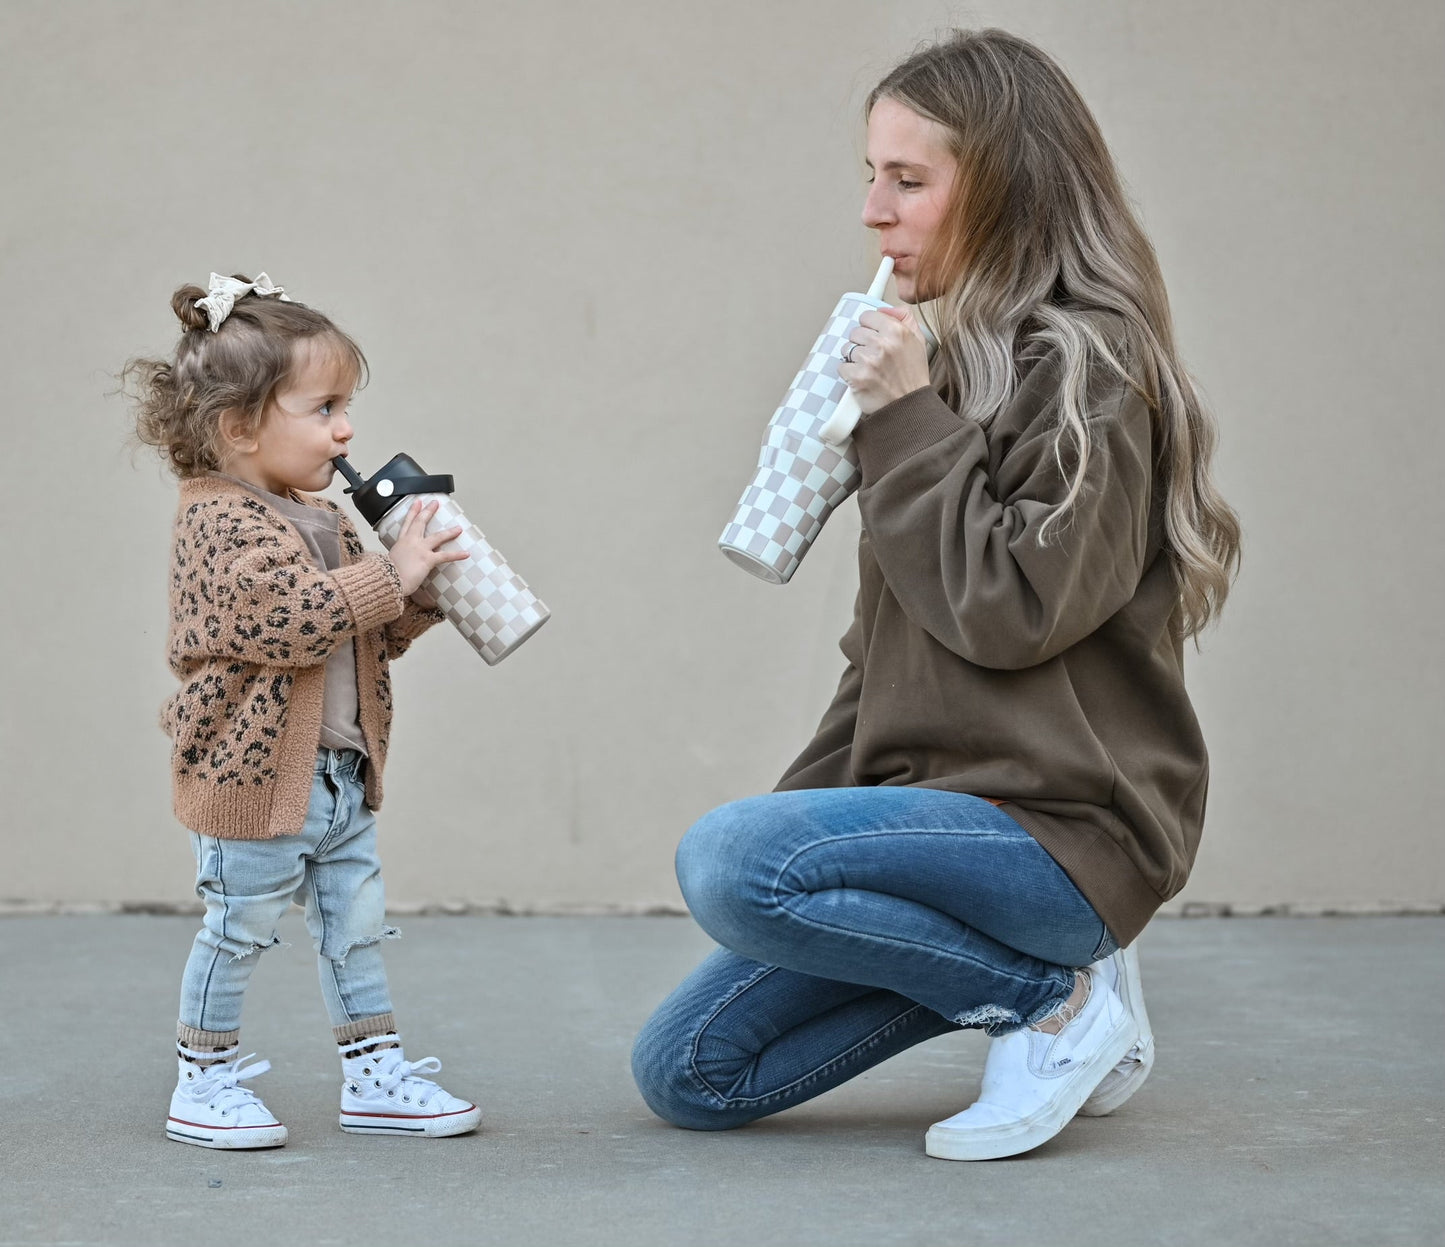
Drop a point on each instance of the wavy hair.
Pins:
(179, 401)
(1037, 239)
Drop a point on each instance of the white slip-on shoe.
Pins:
(1121, 972)
(210, 1108)
(1034, 1082)
(381, 1094)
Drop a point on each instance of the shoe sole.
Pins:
(996, 1142)
(1102, 1104)
(398, 1126)
(1105, 1101)
(225, 1138)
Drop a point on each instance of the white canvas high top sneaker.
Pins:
(381, 1094)
(210, 1108)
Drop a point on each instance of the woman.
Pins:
(1010, 778)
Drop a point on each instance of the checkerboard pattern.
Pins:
(485, 599)
(800, 478)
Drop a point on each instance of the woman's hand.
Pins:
(888, 358)
(415, 552)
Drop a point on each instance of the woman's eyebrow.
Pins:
(892, 166)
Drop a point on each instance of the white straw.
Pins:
(885, 271)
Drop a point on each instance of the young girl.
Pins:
(281, 630)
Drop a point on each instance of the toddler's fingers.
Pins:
(411, 517)
(437, 557)
(443, 535)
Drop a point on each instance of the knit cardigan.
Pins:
(253, 621)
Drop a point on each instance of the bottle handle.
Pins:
(840, 425)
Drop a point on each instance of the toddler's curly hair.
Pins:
(179, 401)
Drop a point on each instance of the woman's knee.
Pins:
(662, 1070)
(724, 868)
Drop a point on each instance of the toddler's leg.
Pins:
(346, 913)
(247, 886)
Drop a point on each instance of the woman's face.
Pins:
(910, 188)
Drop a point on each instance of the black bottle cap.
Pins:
(402, 477)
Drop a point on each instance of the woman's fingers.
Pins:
(884, 358)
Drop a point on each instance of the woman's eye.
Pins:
(905, 185)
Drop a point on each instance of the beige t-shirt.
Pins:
(321, 531)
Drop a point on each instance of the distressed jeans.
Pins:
(854, 923)
(331, 868)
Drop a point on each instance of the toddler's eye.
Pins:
(325, 409)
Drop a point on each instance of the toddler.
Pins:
(281, 630)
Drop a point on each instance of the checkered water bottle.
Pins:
(807, 466)
(486, 600)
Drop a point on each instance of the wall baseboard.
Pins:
(16, 908)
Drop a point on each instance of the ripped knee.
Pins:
(239, 949)
(340, 955)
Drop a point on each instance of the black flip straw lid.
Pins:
(400, 478)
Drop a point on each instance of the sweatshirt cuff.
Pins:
(902, 428)
(372, 590)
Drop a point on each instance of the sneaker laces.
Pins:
(391, 1070)
(220, 1085)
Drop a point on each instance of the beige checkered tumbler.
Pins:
(801, 478)
(487, 602)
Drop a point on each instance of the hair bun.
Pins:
(183, 304)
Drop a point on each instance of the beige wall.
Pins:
(584, 247)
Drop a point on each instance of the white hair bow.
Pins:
(224, 291)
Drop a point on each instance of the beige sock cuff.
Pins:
(367, 1028)
(190, 1037)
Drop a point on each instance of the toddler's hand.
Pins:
(415, 552)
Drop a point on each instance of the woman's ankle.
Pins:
(1071, 1007)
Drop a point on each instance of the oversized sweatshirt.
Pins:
(253, 623)
(1044, 675)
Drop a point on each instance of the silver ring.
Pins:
(848, 353)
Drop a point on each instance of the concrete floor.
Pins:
(1297, 1099)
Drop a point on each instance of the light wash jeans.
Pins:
(331, 867)
(855, 923)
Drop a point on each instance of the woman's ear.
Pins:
(235, 436)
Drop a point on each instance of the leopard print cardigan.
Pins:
(253, 621)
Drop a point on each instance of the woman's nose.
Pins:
(876, 213)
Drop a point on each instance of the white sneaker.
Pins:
(211, 1109)
(381, 1094)
(1121, 972)
(1034, 1082)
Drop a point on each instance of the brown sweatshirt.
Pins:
(1046, 677)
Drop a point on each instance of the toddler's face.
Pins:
(305, 425)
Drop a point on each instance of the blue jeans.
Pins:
(331, 867)
(855, 923)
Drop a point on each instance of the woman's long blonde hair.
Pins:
(1037, 235)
